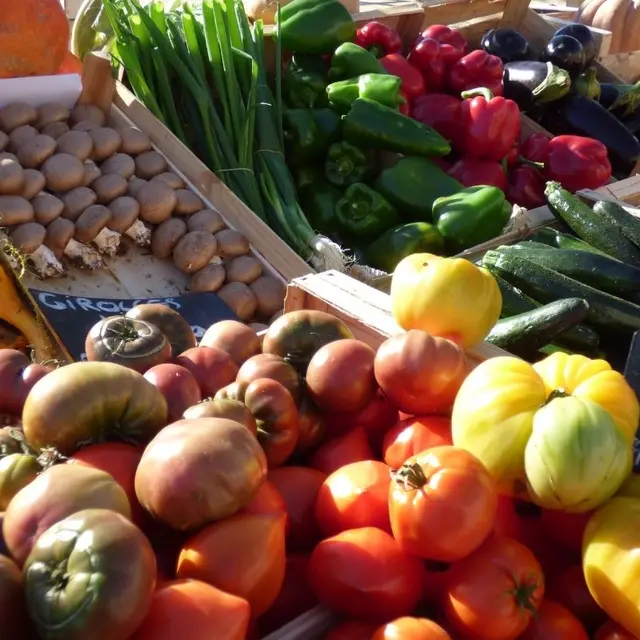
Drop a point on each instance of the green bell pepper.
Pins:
(319, 206)
(315, 26)
(399, 242)
(363, 212)
(471, 216)
(308, 176)
(381, 88)
(308, 133)
(413, 184)
(346, 164)
(305, 82)
(351, 60)
(373, 125)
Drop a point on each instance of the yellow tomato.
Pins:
(592, 380)
(630, 487)
(446, 297)
(611, 560)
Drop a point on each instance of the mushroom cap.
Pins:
(15, 210)
(47, 208)
(124, 212)
(58, 235)
(28, 237)
(91, 222)
(157, 201)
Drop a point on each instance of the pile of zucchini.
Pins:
(564, 290)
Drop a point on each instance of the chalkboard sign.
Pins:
(72, 317)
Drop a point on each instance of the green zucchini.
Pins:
(579, 337)
(601, 272)
(629, 225)
(546, 285)
(555, 238)
(524, 334)
(589, 226)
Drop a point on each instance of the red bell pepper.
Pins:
(404, 107)
(526, 187)
(512, 159)
(477, 69)
(412, 81)
(536, 147)
(454, 46)
(491, 126)
(441, 112)
(471, 172)
(427, 56)
(378, 38)
(577, 163)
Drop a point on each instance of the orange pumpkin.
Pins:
(621, 17)
(34, 37)
(71, 64)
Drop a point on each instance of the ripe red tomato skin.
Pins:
(409, 628)
(565, 529)
(452, 513)
(434, 582)
(178, 386)
(612, 631)
(381, 583)
(333, 454)
(352, 630)
(554, 622)
(411, 436)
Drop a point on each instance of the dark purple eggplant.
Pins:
(584, 36)
(506, 44)
(565, 52)
(581, 116)
(621, 99)
(531, 83)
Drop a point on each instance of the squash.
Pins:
(34, 37)
(621, 17)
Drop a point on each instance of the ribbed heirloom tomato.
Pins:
(442, 504)
(554, 622)
(414, 435)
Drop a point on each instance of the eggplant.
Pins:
(531, 83)
(581, 116)
(584, 36)
(621, 99)
(565, 52)
(506, 44)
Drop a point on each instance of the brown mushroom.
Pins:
(109, 187)
(35, 151)
(47, 208)
(106, 142)
(55, 129)
(170, 178)
(4, 140)
(15, 115)
(63, 172)
(59, 238)
(75, 143)
(206, 220)
(134, 185)
(76, 201)
(157, 202)
(34, 183)
(85, 125)
(269, 294)
(194, 250)
(119, 163)
(124, 219)
(15, 210)
(243, 269)
(20, 135)
(134, 141)
(240, 299)
(166, 237)
(28, 239)
(88, 113)
(209, 279)
(150, 164)
(187, 203)
(231, 243)
(91, 226)
(11, 175)
(50, 113)
(91, 173)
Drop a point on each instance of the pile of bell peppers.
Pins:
(396, 154)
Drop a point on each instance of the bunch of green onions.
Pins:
(201, 70)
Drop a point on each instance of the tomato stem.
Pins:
(560, 392)
(410, 476)
(523, 592)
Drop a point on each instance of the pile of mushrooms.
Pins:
(72, 187)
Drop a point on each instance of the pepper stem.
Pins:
(531, 163)
(487, 94)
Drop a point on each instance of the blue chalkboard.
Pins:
(73, 316)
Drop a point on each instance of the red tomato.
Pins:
(354, 496)
(351, 630)
(376, 419)
(193, 610)
(413, 436)
(294, 599)
(554, 622)
(493, 593)
(434, 582)
(299, 488)
(120, 460)
(507, 521)
(613, 631)
(351, 447)
(411, 629)
(363, 573)
(569, 589)
(267, 500)
(565, 529)
(442, 504)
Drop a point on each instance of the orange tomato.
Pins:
(413, 436)
(267, 500)
(613, 631)
(351, 630)
(354, 496)
(71, 64)
(243, 555)
(350, 447)
(193, 610)
(554, 622)
(411, 629)
(442, 504)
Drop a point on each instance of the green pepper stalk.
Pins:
(347, 164)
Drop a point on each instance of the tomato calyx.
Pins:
(523, 593)
(17, 443)
(560, 392)
(410, 476)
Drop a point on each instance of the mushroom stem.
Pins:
(84, 254)
(46, 263)
(107, 241)
(139, 233)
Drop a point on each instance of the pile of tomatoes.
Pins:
(223, 492)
